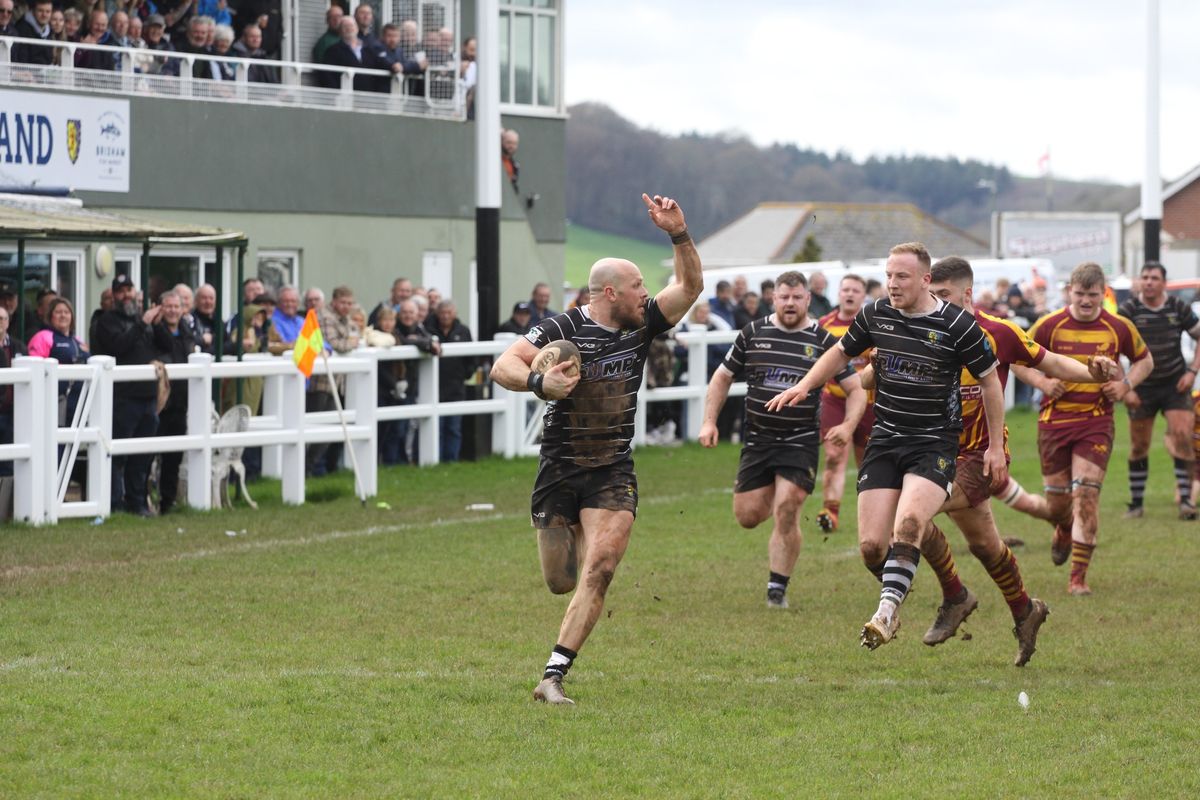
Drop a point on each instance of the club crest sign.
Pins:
(53, 141)
(73, 131)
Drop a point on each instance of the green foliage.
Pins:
(811, 251)
(586, 246)
(336, 651)
(717, 178)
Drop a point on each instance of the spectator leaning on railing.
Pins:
(123, 334)
(250, 46)
(196, 43)
(97, 33)
(452, 377)
(286, 322)
(342, 335)
(175, 343)
(349, 51)
(35, 25)
(204, 318)
(157, 41)
(332, 34)
(222, 42)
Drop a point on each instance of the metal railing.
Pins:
(43, 453)
(441, 94)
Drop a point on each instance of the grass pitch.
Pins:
(332, 651)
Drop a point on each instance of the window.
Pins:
(57, 270)
(529, 54)
(278, 268)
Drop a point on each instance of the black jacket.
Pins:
(341, 55)
(174, 349)
(31, 54)
(129, 341)
(453, 372)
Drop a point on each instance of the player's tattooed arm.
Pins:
(1098, 369)
(675, 300)
(828, 365)
(512, 371)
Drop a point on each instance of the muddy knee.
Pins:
(560, 563)
(872, 553)
(600, 574)
(908, 529)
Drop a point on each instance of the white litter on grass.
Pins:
(179, 530)
(1023, 699)
(481, 507)
(231, 533)
(384, 505)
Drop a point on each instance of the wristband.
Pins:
(1191, 370)
(1126, 382)
(534, 383)
(683, 237)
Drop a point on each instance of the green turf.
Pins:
(335, 651)
(586, 246)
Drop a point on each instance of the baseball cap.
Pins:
(120, 281)
(156, 19)
(522, 306)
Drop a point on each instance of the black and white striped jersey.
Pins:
(772, 359)
(1161, 329)
(918, 360)
(594, 425)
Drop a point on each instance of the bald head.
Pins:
(614, 272)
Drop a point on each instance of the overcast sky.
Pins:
(997, 80)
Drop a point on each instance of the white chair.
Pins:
(229, 459)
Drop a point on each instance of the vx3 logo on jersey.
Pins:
(762, 345)
(883, 326)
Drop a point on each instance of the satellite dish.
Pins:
(103, 260)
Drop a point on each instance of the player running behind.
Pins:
(968, 505)
(921, 345)
(779, 456)
(1075, 426)
(1161, 319)
(851, 293)
(585, 495)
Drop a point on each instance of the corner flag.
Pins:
(308, 344)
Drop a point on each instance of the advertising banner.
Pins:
(62, 141)
(1066, 238)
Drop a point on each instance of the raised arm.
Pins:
(675, 300)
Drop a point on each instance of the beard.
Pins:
(130, 307)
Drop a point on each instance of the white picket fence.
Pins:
(283, 429)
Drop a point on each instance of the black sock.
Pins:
(777, 582)
(560, 661)
(1139, 470)
(1183, 479)
(877, 569)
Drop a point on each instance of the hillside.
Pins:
(611, 161)
(585, 246)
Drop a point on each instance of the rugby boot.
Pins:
(1060, 546)
(950, 615)
(827, 520)
(1187, 511)
(1134, 512)
(550, 691)
(1026, 631)
(880, 629)
(1078, 586)
(776, 598)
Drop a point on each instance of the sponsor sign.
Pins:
(50, 140)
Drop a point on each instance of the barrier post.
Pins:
(697, 379)
(100, 469)
(429, 435)
(292, 453)
(31, 424)
(361, 398)
(199, 423)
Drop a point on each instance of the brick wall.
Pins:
(1181, 214)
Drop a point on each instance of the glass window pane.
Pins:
(37, 278)
(505, 59)
(520, 2)
(546, 4)
(167, 271)
(545, 61)
(522, 53)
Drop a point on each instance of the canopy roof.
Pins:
(36, 217)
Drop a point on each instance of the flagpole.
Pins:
(337, 402)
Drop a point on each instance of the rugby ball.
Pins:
(555, 353)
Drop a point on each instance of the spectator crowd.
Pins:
(181, 320)
(249, 29)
